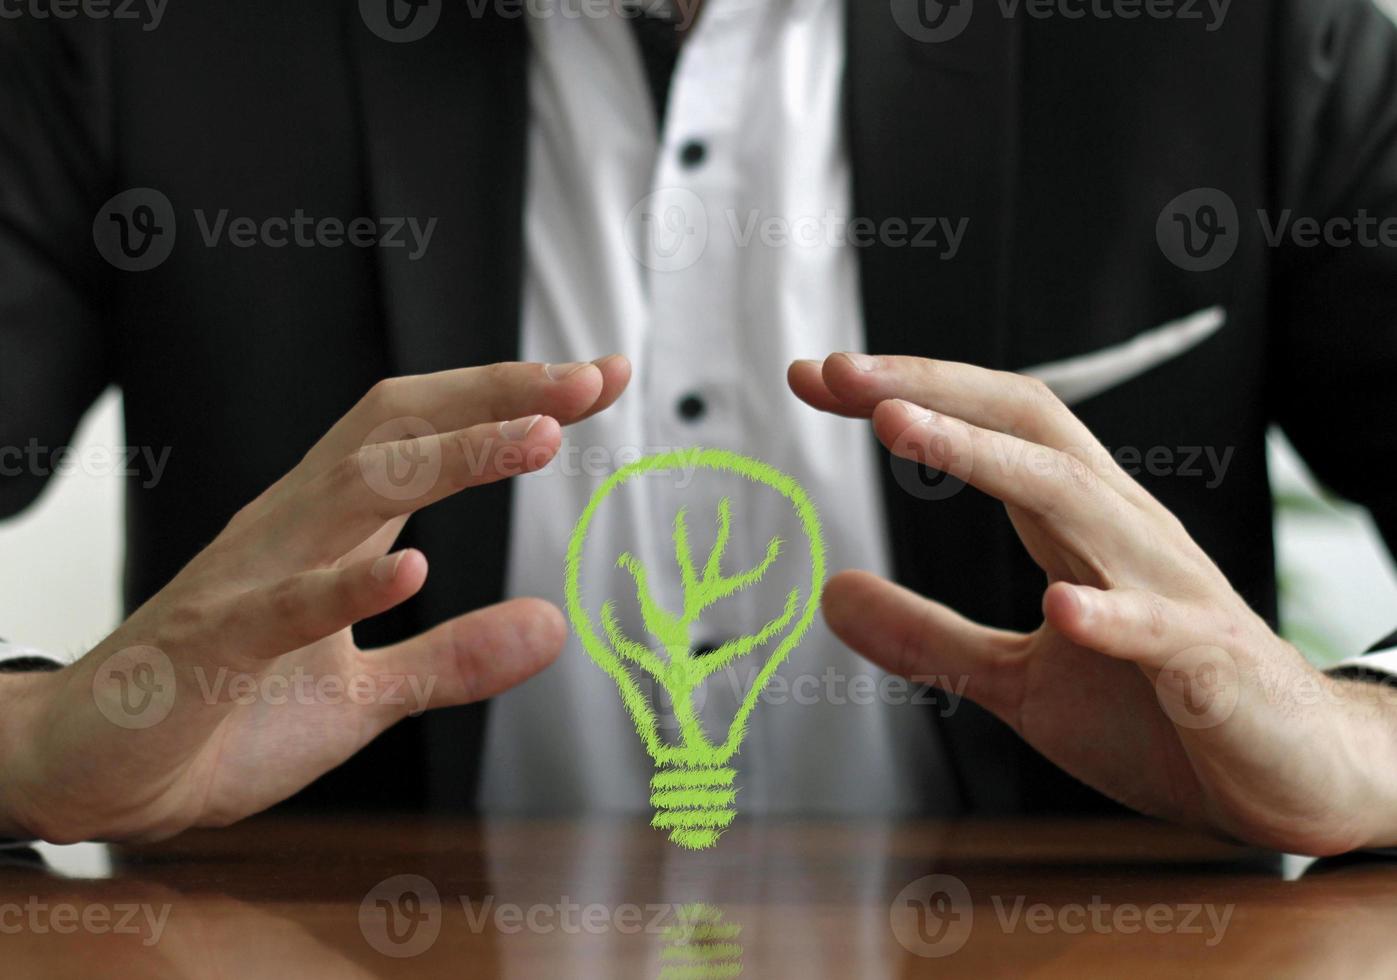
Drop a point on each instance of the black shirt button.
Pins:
(693, 153)
(691, 408)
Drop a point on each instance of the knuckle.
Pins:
(930, 372)
(183, 623)
(1074, 472)
(1156, 616)
(349, 591)
(286, 603)
(384, 398)
(284, 600)
(1035, 392)
(352, 471)
(244, 515)
(1032, 401)
(453, 655)
(500, 378)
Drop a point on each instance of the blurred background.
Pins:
(62, 558)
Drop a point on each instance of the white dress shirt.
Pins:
(711, 275)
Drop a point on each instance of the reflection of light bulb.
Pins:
(701, 946)
(693, 791)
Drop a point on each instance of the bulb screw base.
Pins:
(694, 803)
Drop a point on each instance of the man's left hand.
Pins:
(1150, 678)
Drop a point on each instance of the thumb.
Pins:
(914, 637)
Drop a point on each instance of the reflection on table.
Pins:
(282, 896)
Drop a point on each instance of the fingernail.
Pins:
(862, 361)
(386, 568)
(919, 413)
(602, 360)
(519, 428)
(806, 360)
(557, 372)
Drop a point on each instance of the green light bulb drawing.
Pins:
(693, 790)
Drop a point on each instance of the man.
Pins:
(1061, 194)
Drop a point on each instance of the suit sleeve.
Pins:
(54, 356)
(1334, 306)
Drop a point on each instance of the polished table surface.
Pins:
(295, 897)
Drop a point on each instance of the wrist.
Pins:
(1367, 742)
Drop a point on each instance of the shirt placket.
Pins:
(695, 306)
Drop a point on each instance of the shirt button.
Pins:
(693, 153)
(691, 407)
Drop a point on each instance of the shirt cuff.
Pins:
(1378, 665)
(15, 659)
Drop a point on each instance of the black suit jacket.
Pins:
(1061, 142)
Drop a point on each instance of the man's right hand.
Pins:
(194, 713)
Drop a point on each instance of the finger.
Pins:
(302, 609)
(475, 656)
(1128, 624)
(616, 375)
(338, 510)
(914, 637)
(447, 401)
(1014, 404)
(806, 379)
(999, 400)
(1072, 500)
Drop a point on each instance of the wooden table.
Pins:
(295, 897)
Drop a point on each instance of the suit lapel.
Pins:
(932, 132)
